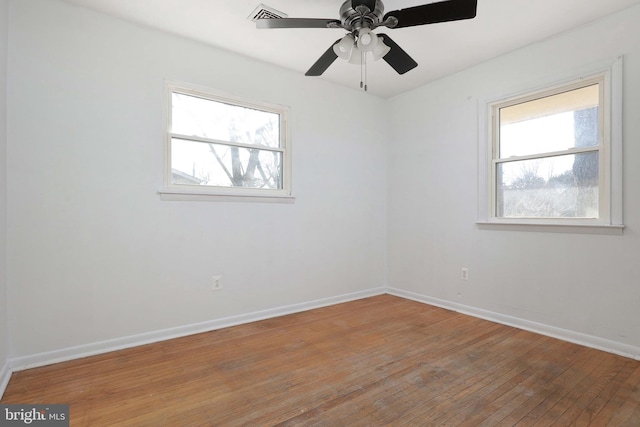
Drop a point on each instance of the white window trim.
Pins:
(612, 223)
(174, 192)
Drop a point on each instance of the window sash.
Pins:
(539, 197)
(221, 166)
(225, 100)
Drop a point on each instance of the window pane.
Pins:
(553, 123)
(197, 163)
(551, 187)
(205, 118)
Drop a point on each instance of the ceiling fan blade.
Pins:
(297, 23)
(397, 58)
(444, 11)
(323, 62)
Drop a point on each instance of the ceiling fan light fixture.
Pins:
(344, 48)
(381, 50)
(367, 41)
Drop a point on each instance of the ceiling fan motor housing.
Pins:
(356, 14)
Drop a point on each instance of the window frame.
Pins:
(609, 76)
(171, 191)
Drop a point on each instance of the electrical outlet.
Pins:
(216, 283)
(464, 274)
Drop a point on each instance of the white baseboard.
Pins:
(598, 343)
(62, 355)
(56, 356)
(5, 376)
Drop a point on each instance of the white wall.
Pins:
(583, 284)
(3, 185)
(94, 254)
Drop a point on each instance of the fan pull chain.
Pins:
(363, 71)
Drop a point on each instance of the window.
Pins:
(220, 145)
(547, 154)
(554, 155)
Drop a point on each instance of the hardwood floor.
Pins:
(373, 362)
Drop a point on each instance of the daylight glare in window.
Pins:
(218, 143)
(547, 156)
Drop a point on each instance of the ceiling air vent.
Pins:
(266, 12)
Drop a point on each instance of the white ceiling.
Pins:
(440, 49)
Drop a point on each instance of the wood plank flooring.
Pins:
(373, 362)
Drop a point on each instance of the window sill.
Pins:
(612, 230)
(183, 196)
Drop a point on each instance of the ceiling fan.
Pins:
(360, 17)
